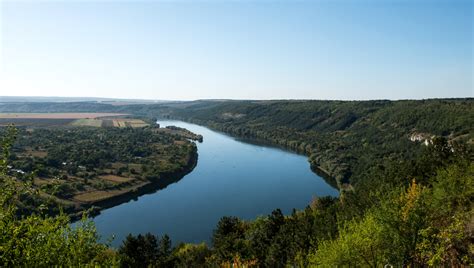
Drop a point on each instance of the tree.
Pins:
(164, 252)
(446, 240)
(360, 243)
(228, 239)
(40, 240)
(139, 251)
(146, 250)
(190, 255)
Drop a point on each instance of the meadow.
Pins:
(56, 115)
(72, 119)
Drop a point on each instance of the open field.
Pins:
(115, 178)
(35, 153)
(49, 119)
(116, 122)
(56, 115)
(99, 195)
(87, 122)
(74, 119)
(35, 122)
(122, 122)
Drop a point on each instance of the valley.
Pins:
(75, 168)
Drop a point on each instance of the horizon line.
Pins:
(113, 99)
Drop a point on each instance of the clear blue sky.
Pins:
(238, 49)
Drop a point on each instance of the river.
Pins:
(232, 178)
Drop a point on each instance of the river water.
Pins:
(232, 178)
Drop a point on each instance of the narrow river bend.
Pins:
(232, 178)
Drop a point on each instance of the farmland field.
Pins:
(35, 122)
(94, 196)
(129, 122)
(73, 119)
(116, 122)
(56, 115)
(115, 178)
(49, 119)
(87, 122)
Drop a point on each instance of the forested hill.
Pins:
(407, 204)
(345, 139)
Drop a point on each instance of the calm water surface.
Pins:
(231, 178)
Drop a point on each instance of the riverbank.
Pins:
(232, 178)
(335, 179)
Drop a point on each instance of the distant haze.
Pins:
(186, 50)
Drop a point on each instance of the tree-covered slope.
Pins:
(343, 138)
(411, 204)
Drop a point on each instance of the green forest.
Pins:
(344, 139)
(404, 169)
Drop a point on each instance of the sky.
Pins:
(186, 50)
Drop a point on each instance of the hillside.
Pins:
(404, 168)
(411, 220)
(343, 139)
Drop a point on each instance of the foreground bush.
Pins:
(40, 240)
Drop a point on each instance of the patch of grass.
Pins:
(119, 122)
(115, 178)
(35, 153)
(94, 196)
(56, 115)
(87, 122)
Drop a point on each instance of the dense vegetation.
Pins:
(79, 166)
(425, 218)
(343, 139)
(39, 240)
(402, 202)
